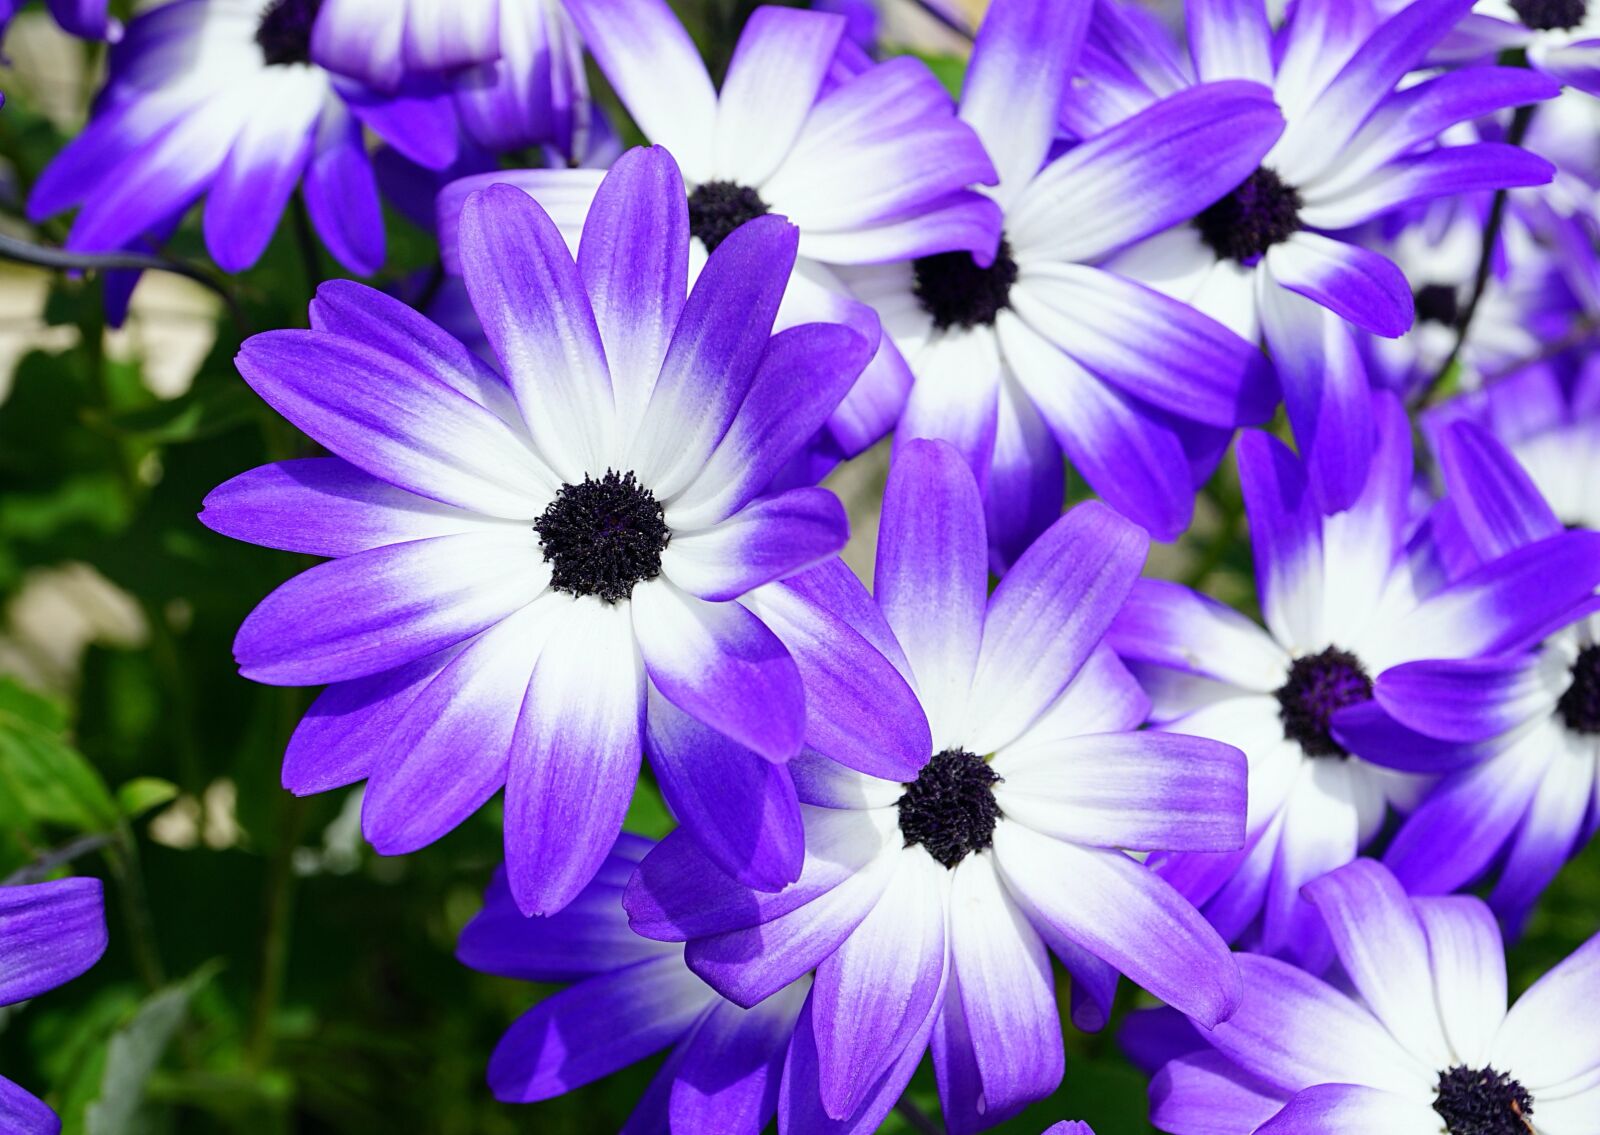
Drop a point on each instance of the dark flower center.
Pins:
(1318, 685)
(957, 293)
(285, 31)
(718, 207)
(950, 809)
(602, 537)
(1438, 303)
(1579, 707)
(1483, 1102)
(1550, 15)
(1262, 212)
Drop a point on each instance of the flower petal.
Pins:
(530, 299)
(720, 664)
(873, 992)
(1125, 915)
(1045, 618)
(740, 809)
(575, 757)
(50, 933)
(932, 577)
(370, 612)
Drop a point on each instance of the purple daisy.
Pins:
(50, 933)
(1270, 259)
(928, 906)
(1419, 1043)
(869, 161)
(1561, 38)
(1037, 349)
(521, 561)
(1346, 598)
(221, 99)
(730, 1069)
(1522, 789)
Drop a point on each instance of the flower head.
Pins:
(1522, 787)
(929, 902)
(50, 933)
(729, 1068)
(1032, 349)
(227, 100)
(868, 161)
(1419, 1043)
(1328, 701)
(522, 557)
(1273, 258)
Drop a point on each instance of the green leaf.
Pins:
(135, 1052)
(143, 793)
(52, 781)
(211, 408)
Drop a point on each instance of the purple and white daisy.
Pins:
(221, 99)
(1561, 38)
(928, 906)
(1269, 259)
(521, 561)
(1038, 349)
(730, 1069)
(217, 98)
(1346, 598)
(1524, 790)
(50, 933)
(869, 161)
(1419, 1043)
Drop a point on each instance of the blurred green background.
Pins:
(267, 972)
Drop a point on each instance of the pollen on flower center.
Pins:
(1261, 212)
(950, 808)
(956, 292)
(1550, 15)
(1438, 303)
(284, 33)
(1482, 1102)
(1579, 707)
(602, 537)
(1318, 685)
(718, 207)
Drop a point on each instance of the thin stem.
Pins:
(1520, 121)
(40, 868)
(62, 260)
(946, 19)
(916, 1117)
(305, 236)
(122, 857)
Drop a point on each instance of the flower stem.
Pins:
(1521, 119)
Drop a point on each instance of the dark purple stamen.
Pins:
(718, 207)
(603, 537)
(957, 293)
(1260, 213)
(1482, 1102)
(1438, 303)
(1579, 707)
(1550, 15)
(1318, 686)
(950, 808)
(285, 31)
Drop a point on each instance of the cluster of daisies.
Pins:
(571, 522)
